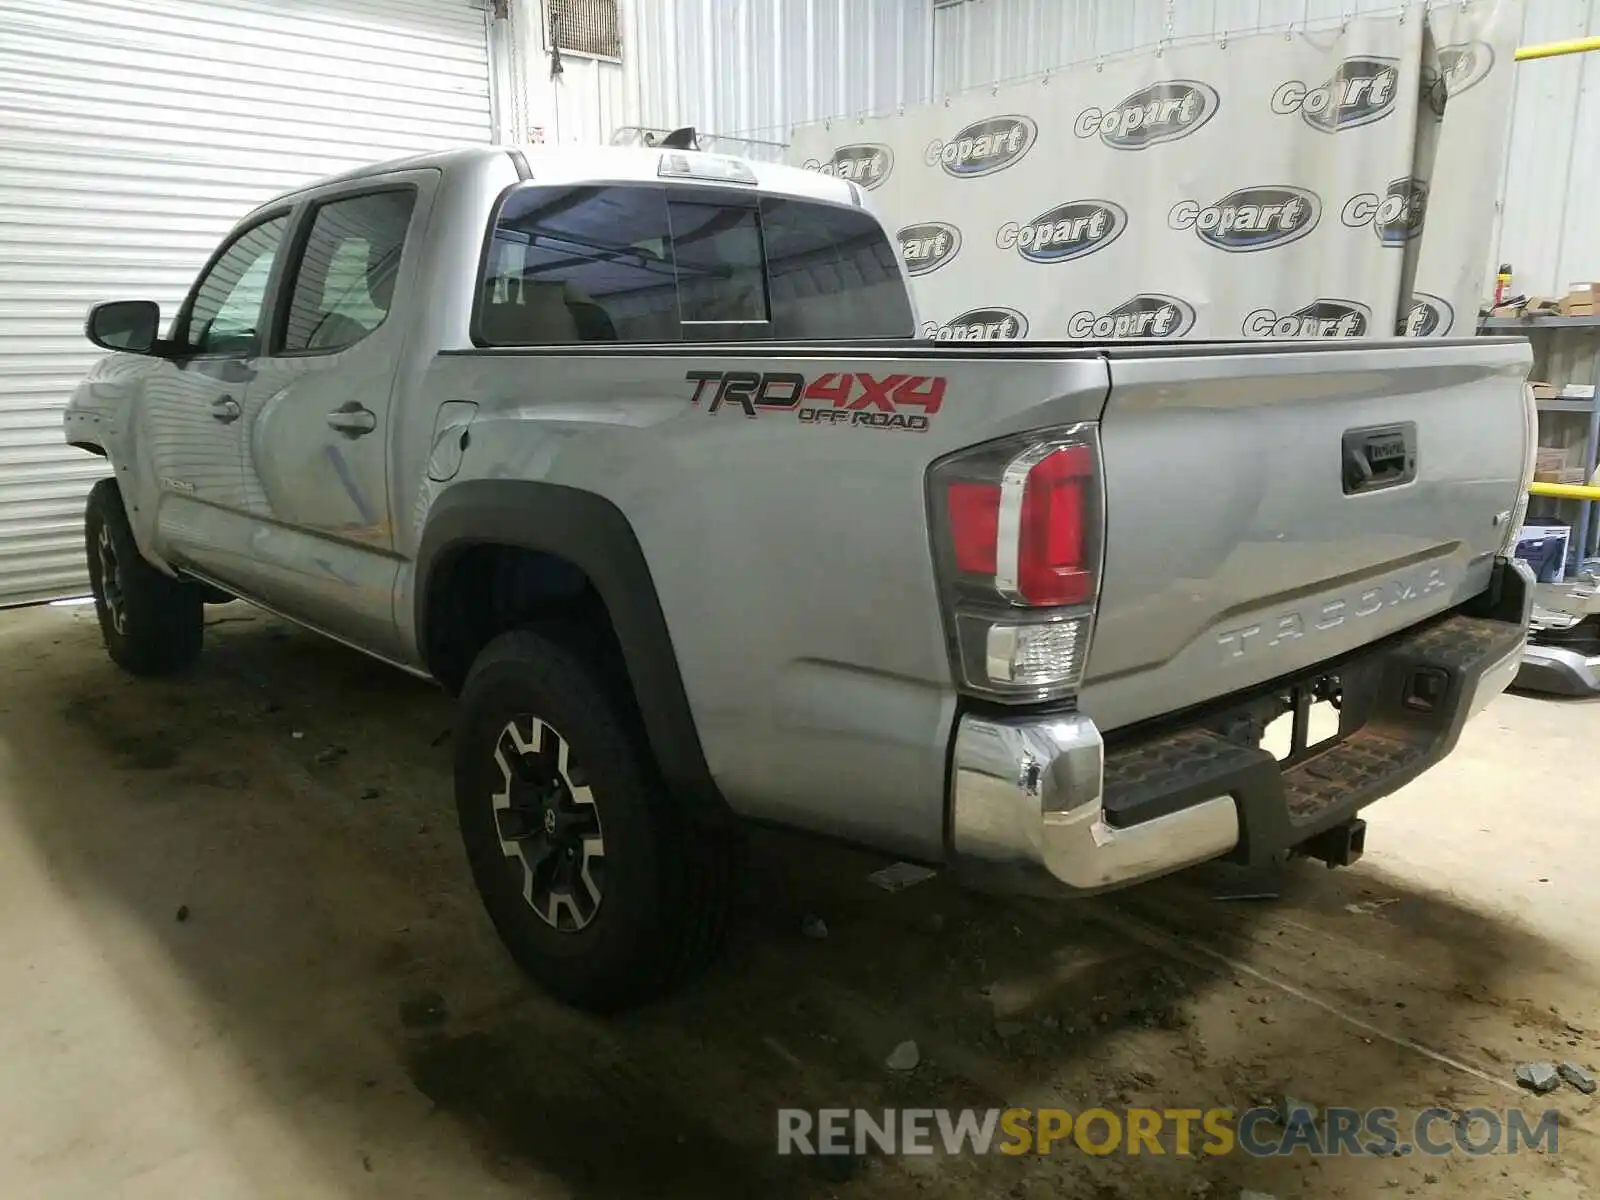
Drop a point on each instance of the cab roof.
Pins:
(595, 164)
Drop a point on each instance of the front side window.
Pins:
(580, 264)
(225, 317)
(344, 281)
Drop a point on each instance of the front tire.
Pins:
(152, 623)
(597, 884)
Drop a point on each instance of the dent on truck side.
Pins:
(593, 535)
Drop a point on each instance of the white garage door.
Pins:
(131, 137)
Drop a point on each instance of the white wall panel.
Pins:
(981, 42)
(1549, 230)
(130, 142)
(582, 104)
(756, 68)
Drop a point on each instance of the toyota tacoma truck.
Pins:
(636, 453)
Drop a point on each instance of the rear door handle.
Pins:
(352, 420)
(226, 409)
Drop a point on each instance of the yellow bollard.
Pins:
(1564, 491)
(1556, 49)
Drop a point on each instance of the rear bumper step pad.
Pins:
(1404, 703)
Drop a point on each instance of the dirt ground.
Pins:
(241, 957)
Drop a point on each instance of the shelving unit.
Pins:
(1571, 326)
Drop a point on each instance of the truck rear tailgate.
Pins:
(1270, 508)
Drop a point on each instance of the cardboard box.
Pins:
(1549, 460)
(1544, 391)
(1581, 300)
(1558, 464)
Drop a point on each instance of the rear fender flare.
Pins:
(593, 534)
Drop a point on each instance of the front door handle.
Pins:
(226, 409)
(352, 420)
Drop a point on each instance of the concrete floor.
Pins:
(241, 958)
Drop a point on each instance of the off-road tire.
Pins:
(152, 623)
(668, 879)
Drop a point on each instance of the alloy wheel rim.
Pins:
(548, 824)
(111, 581)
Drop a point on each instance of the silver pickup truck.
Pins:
(634, 452)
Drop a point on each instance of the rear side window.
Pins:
(344, 281)
(657, 264)
(580, 264)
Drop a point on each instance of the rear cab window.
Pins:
(644, 263)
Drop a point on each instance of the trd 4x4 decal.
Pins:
(858, 400)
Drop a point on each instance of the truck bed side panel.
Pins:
(791, 556)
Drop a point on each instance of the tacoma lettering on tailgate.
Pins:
(1294, 624)
(853, 399)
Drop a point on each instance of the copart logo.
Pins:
(1162, 112)
(854, 400)
(1361, 91)
(866, 163)
(1068, 231)
(928, 245)
(1322, 318)
(984, 147)
(1396, 217)
(1428, 316)
(1147, 315)
(1252, 218)
(996, 324)
(1465, 65)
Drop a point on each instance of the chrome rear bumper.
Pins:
(1031, 791)
(1560, 670)
(1026, 791)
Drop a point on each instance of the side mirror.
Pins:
(129, 326)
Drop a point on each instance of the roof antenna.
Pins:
(681, 139)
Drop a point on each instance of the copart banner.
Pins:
(1261, 186)
(1467, 85)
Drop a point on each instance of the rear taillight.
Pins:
(1017, 529)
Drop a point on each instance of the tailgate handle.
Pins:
(1379, 457)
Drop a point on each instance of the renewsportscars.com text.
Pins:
(1183, 1132)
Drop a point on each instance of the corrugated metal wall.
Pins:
(756, 68)
(1549, 228)
(981, 42)
(585, 102)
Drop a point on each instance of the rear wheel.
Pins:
(152, 624)
(598, 885)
